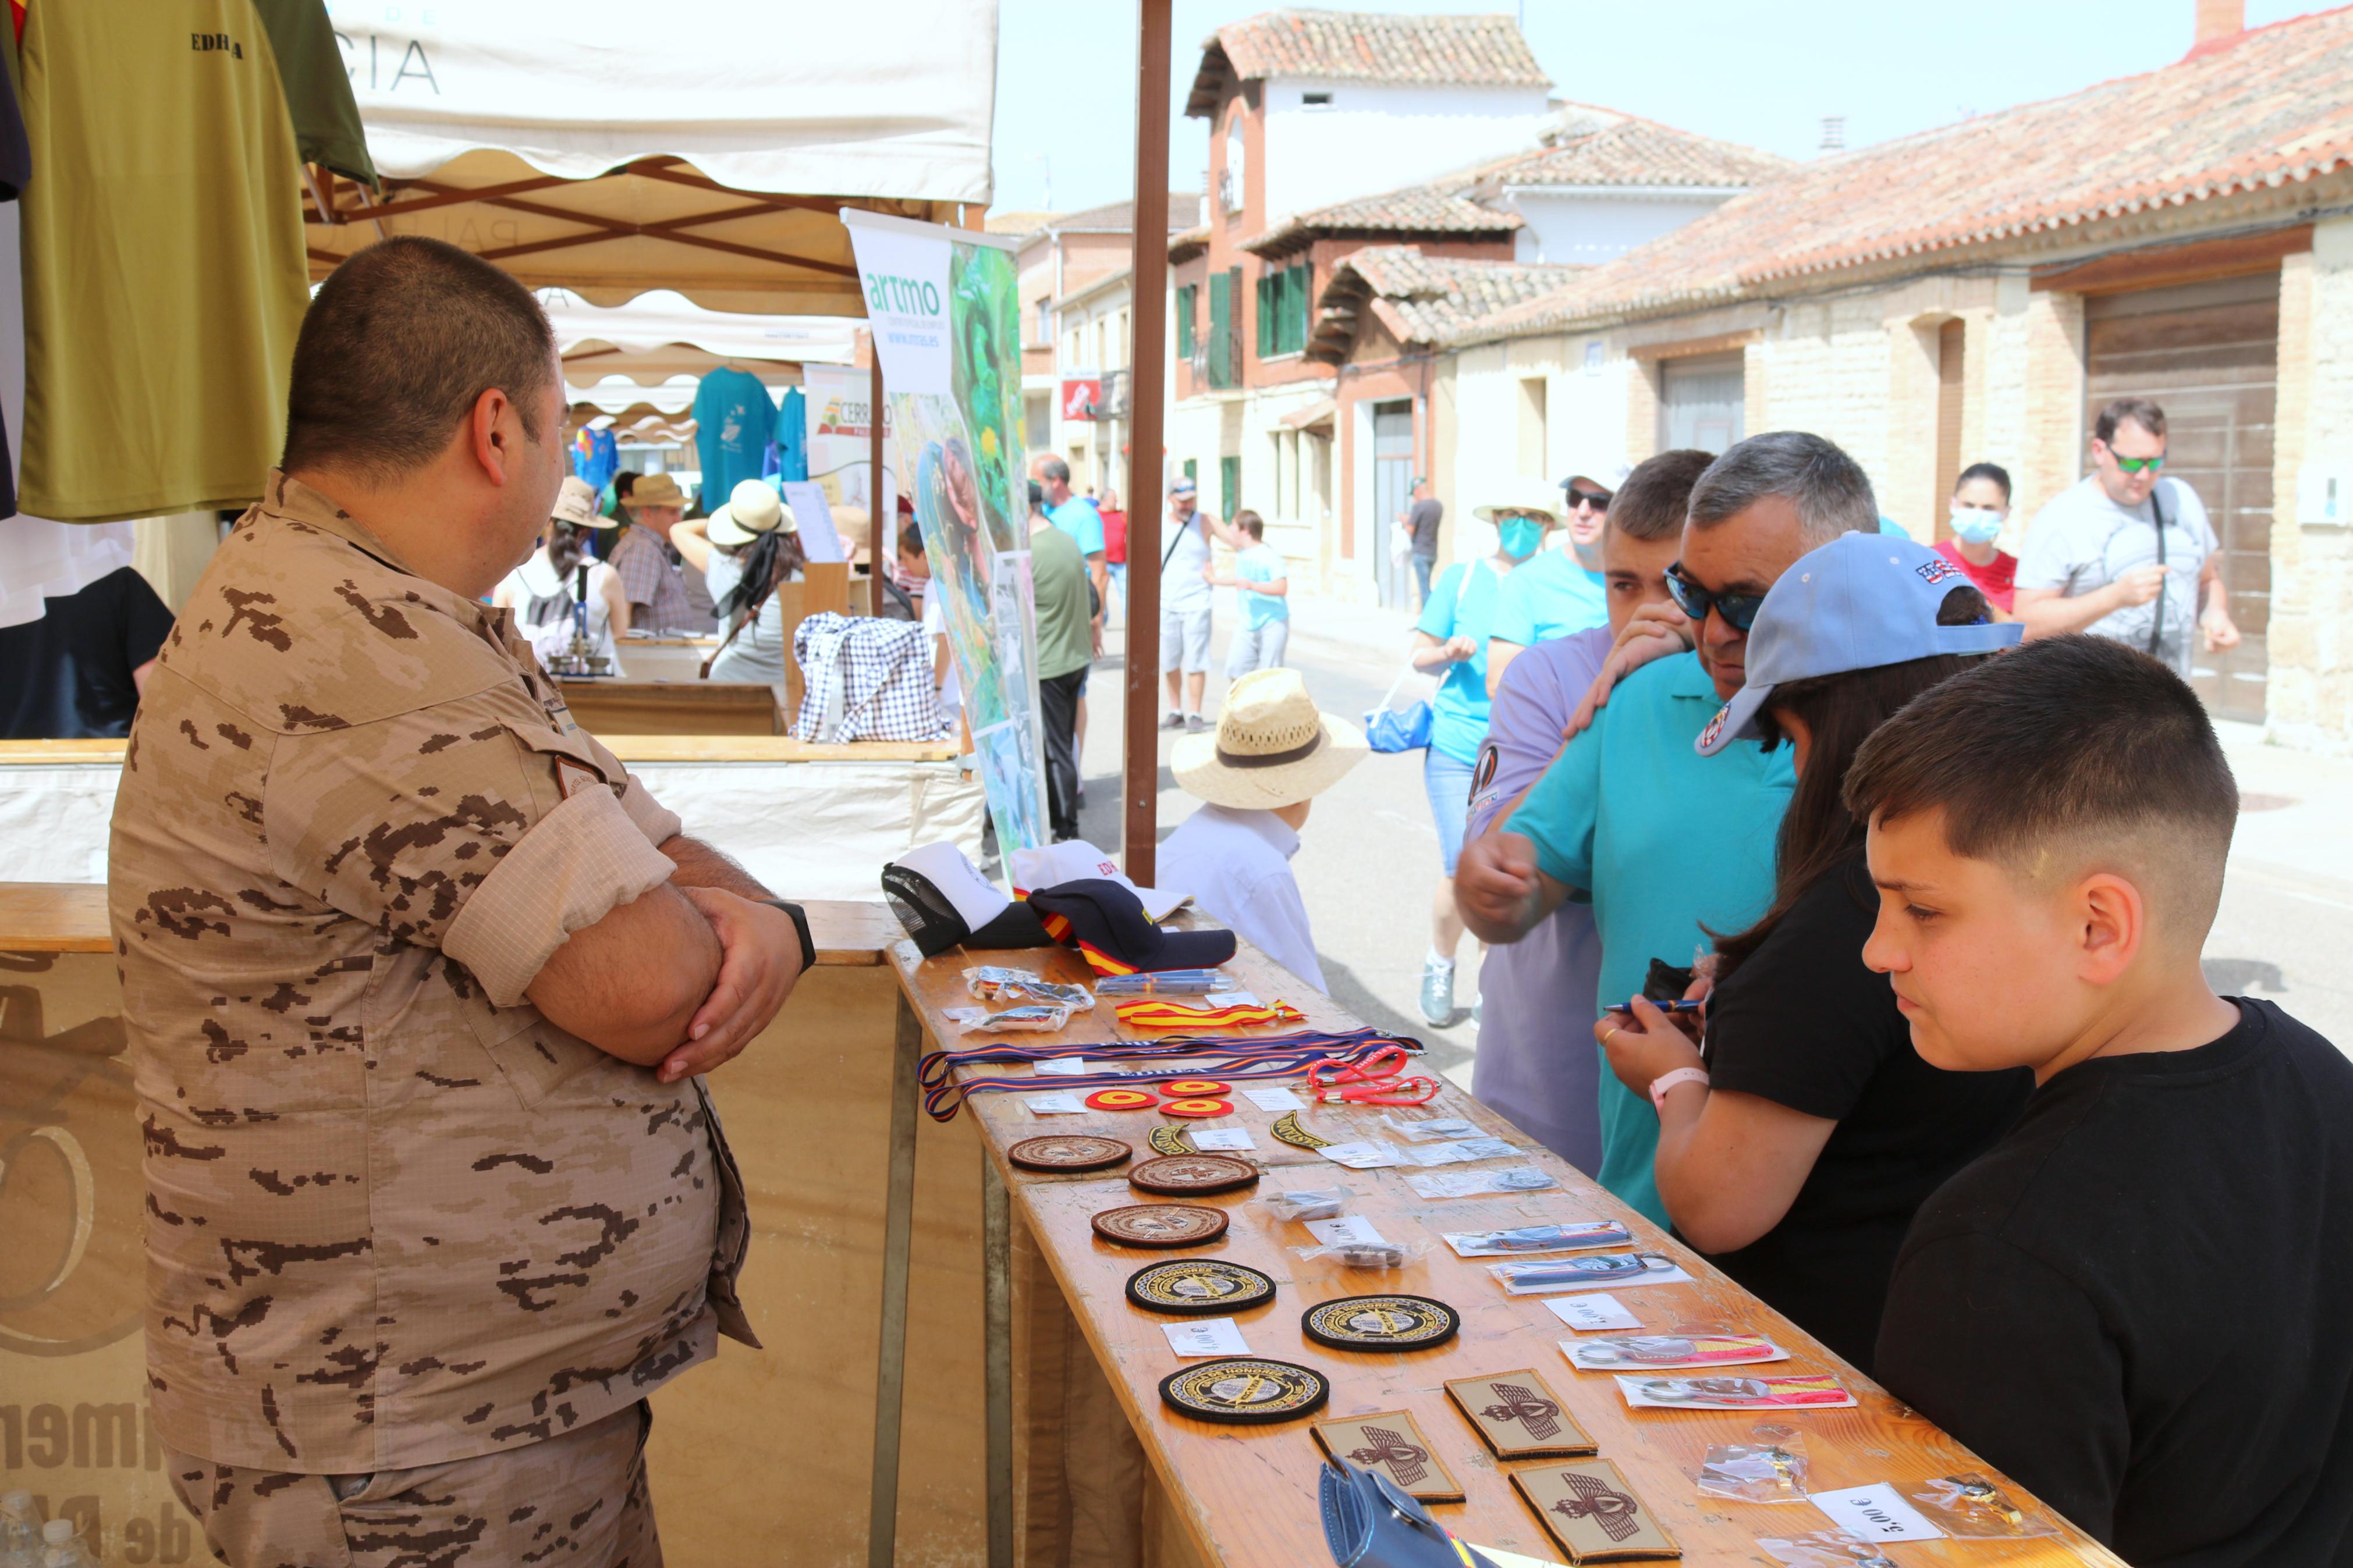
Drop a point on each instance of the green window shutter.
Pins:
(1266, 313)
(1229, 486)
(1221, 328)
(1185, 297)
(1303, 304)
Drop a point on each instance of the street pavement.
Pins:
(1367, 863)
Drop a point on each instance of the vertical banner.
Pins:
(941, 305)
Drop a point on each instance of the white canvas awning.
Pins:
(612, 150)
(665, 318)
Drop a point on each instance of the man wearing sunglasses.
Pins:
(2126, 553)
(1670, 844)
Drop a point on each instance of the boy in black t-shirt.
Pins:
(2140, 1302)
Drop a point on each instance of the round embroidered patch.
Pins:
(1196, 1107)
(1199, 1284)
(1380, 1323)
(1068, 1152)
(1194, 1089)
(1182, 1173)
(1245, 1391)
(1120, 1100)
(1160, 1225)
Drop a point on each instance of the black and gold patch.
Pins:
(1380, 1323)
(1169, 1140)
(1200, 1285)
(1245, 1391)
(1286, 1127)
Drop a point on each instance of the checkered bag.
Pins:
(875, 674)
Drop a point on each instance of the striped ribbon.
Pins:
(1058, 928)
(1154, 1013)
(1251, 1061)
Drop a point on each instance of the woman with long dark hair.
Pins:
(546, 590)
(745, 551)
(1795, 1148)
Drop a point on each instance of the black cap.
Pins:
(1106, 923)
(942, 901)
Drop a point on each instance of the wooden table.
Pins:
(1246, 1494)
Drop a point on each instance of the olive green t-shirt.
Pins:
(1058, 574)
(164, 270)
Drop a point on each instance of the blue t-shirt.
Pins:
(734, 421)
(1262, 563)
(1078, 518)
(1456, 608)
(1666, 841)
(595, 458)
(792, 437)
(1549, 597)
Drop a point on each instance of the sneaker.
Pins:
(1195, 723)
(1174, 721)
(1476, 1019)
(1438, 995)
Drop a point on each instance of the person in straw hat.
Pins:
(553, 580)
(1451, 642)
(648, 567)
(1269, 758)
(745, 550)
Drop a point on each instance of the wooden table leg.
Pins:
(997, 1298)
(897, 1236)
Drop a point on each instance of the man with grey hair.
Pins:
(1670, 844)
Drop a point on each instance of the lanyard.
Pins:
(1158, 1013)
(1254, 1061)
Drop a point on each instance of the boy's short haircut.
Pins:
(2059, 756)
(1250, 522)
(1656, 497)
(910, 539)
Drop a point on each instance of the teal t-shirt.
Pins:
(1261, 564)
(1547, 596)
(1457, 715)
(1666, 841)
(1078, 518)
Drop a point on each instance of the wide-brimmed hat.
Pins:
(576, 503)
(657, 489)
(752, 510)
(1271, 747)
(1522, 494)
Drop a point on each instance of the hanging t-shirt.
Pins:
(67, 677)
(735, 421)
(165, 275)
(595, 458)
(792, 437)
(327, 130)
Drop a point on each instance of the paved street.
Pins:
(1368, 861)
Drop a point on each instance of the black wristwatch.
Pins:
(800, 923)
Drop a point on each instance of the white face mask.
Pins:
(1977, 524)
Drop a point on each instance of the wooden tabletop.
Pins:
(1246, 1494)
(70, 917)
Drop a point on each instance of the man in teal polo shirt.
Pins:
(1669, 844)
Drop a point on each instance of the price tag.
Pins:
(1371, 1154)
(1061, 1066)
(1876, 1514)
(1054, 1105)
(1277, 1099)
(1206, 1336)
(1349, 1230)
(1595, 1310)
(1221, 1140)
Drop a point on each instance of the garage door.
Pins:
(2207, 354)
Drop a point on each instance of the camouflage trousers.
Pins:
(578, 1500)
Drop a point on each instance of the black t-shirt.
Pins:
(1421, 521)
(67, 677)
(2140, 1304)
(1804, 1024)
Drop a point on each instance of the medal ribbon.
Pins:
(1156, 1014)
(1247, 1061)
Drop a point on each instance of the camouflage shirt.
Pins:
(395, 1215)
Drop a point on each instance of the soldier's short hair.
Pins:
(401, 342)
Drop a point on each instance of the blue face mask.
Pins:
(1520, 536)
(1978, 525)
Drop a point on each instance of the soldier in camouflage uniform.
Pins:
(419, 983)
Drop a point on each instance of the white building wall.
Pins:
(1585, 425)
(1378, 136)
(2310, 698)
(1575, 229)
(1826, 370)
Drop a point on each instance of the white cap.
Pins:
(1075, 859)
(58, 1531)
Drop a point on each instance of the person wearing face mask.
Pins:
(1562, 591)
(1980, 507)
(1451, 642)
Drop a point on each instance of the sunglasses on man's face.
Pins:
(1739, 610)
(1598, 500)
(2136, 464)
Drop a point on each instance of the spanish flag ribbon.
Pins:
(1158, 1013)
(1101, 962)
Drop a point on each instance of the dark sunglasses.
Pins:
(1598, 500)
(1739, 610)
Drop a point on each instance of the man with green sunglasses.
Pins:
(2126, 553)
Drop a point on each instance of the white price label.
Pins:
(1598, 1310)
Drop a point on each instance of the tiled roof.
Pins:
(2267, 112)
(1636, 152)
(1423, 298)
(1358, 46)
(1112, 217)
(1431, 209)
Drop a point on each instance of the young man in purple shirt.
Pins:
(1530, 1063)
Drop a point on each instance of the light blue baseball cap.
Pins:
(1861, 601)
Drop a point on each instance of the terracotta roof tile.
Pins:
(1358, 46)
(1638, 153)
(1431, 209)
(1424, 298)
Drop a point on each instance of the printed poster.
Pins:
(941, 305)
(833, 406)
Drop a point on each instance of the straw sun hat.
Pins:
(1522, 494)
(576, 503)
(1271, 747)
(752, 510)
(657, 489)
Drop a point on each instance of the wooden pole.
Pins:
(884, 526)
(1140, 797)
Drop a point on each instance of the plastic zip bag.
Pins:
(993, 982)
(1471, 1184)
(1769, 1469)
(1973, 1508)
(1037, 1017)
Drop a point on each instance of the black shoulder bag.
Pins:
(2156, 622)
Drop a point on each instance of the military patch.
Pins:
(572, 777)
(1391, 1443)
(1380, 1323)
(1194, 1089)
(1586, 1506)
(1196, 1107)
(1198, 1285)
(1181, 1174)
(1068, 1152)
(1245, 1391)
(1518, 1416)
(1120, 1100)
(1286, 1127)
(1169, 1140)
(1160, 1225)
